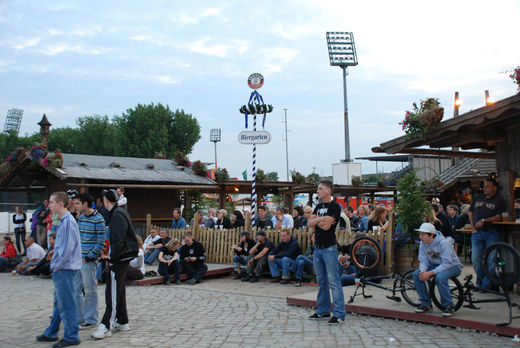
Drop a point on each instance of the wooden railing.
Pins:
(218, 242)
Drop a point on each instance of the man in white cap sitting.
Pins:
(436, 258)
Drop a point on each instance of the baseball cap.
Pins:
(72, 194)
(244, 233)
(260, 233)
(427, 228)
(111, 195)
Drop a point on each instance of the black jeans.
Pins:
(115, 295)
(194, 270)
(166, 270)
(134, 273)
(19, 235)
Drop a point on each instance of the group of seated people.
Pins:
(284, 261)
(37, 260)
(174, 256)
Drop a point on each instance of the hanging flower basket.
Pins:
(418, 122)
(200, 168)
(221, 175)
(181, 159)
(53, 160)
(38, 152)
(297, 177)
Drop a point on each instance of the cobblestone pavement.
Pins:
(214, 314)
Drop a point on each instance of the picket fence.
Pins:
(218, 242)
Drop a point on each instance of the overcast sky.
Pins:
(74, 58)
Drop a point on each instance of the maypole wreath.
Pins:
(257, 108)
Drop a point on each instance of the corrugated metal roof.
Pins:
(467, 168)
(128, 169)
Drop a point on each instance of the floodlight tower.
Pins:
(214, 137)
(342, 53)
(13, 120)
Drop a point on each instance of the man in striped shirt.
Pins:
(92, 232)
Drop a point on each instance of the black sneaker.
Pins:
(423, 309)
(43, 338)
(253, 279)
(247, 278)
(63, 343)
(237, 276)
(448, 312)
(335, 320)
(276, 280)
(316, 316)
(298, 284)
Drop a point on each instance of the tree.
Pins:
(64, 139)
(272, 176)
(149, 129)
(96, 135)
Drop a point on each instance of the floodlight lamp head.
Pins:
(215, 135)
(342, 49)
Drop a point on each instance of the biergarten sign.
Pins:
(258, 137)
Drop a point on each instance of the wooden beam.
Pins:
(147, 186)
(449, 153)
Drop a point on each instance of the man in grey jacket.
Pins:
(436, 258)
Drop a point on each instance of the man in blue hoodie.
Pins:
(283, 256)
(436, 258)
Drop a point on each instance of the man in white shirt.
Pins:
(34, 254)
(281, 221)
(122, 202)
(152, 237)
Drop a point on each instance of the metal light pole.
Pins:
(214, 137)
(342, 53)
(286, 145)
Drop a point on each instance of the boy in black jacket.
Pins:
(193, 256)
(123, 248)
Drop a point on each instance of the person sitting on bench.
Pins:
(169, 262)
(241, 253)
(436, 258)
(257, 260)
(193, 256)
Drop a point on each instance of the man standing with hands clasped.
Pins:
(65, 265)
(325, 217)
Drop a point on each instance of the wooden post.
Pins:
(222, 199)
(148, 224)
(196, 226)
(248, 221)
(389, 248)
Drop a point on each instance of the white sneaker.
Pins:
(118, 327)
(101, 332)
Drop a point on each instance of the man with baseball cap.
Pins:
(257, 260)
(437, 258)
(123, 248)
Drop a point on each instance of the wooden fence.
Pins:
(218, 242)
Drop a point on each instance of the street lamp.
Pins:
(489, 100)
(214, 137)
(342, 53)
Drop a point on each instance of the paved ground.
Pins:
(220, 312)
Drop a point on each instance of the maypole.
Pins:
(255, 106)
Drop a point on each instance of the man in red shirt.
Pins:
(9, 252)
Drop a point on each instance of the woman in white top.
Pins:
(136, 269)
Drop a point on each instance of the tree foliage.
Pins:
(139, 132)
(411, 204)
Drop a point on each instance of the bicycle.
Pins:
(501, 264)
(366, 255)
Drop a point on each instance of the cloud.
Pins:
(55, 49)
(194, 17)
(276, 58)
(27, 43)
(211, 47)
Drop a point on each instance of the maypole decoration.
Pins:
(255, 106)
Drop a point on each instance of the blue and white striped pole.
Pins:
(253, 187)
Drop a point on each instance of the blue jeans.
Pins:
(4, 262)
(441, 281)
(165, 270)
(239, 261)
(347, 278)
(78, 291)
(90, 300)
(301, 264)
(65, 306)
(479, 242)
(284, 263)
(326, 268)
(151, 256)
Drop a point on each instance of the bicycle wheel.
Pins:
(501, 262)
(456, 290)
(365, 253)
(408, 289)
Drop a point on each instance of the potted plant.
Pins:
(181, 159)
(221, 175)
(515, 76)
(357, 181)
(261, 176)
(297, 177)
(411, 206)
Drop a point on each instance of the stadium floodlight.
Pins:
(342, 53)
(215, 137)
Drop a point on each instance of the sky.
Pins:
(69, 59)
